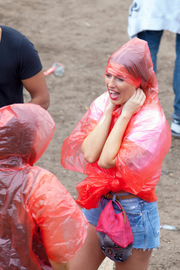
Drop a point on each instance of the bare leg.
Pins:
(59, 266)
(90, 256)
(139, 260)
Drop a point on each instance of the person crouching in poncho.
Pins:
(41, 225)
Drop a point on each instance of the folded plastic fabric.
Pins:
(39, 218)
(145, 143)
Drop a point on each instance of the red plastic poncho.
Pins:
(39, 218)
(145, 143)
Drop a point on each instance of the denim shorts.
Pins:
(143, 218)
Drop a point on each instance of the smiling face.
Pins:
(119, 90)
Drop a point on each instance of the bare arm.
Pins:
(114, 140)
(38, 90)
(59, 266)
(94, 142)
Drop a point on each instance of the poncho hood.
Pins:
(25, 132)
(132, 62)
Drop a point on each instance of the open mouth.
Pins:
(113, 94)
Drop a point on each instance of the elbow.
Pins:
(46, 105)
(90, 158)
(42, 101)
(46, 102)
(106, 164)
(103, 165)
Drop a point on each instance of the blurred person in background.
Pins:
(147, 20)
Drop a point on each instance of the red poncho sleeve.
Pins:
(71, 156)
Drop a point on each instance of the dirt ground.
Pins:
(82, 35)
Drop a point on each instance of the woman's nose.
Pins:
(111, 81)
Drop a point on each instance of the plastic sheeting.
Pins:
(39, 218)
(145, 143)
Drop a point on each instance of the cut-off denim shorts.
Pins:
(143, 218)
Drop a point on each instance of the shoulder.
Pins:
(148, 125)
(101, 101)
(11, 31)
(17, 44)
(150, 114)
(11, 36)
(44, 178)
(96, 108)
(47, 190)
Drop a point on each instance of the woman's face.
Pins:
(119, 90)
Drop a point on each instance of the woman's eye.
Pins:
(108, 75)
(119, 79)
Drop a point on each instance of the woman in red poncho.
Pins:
(120, 144)
(41, 225)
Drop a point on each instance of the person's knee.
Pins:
(138, 260)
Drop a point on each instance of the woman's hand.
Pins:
(110, 107)
(134, 104)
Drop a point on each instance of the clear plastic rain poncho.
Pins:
(145, 143)
(39, 218)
